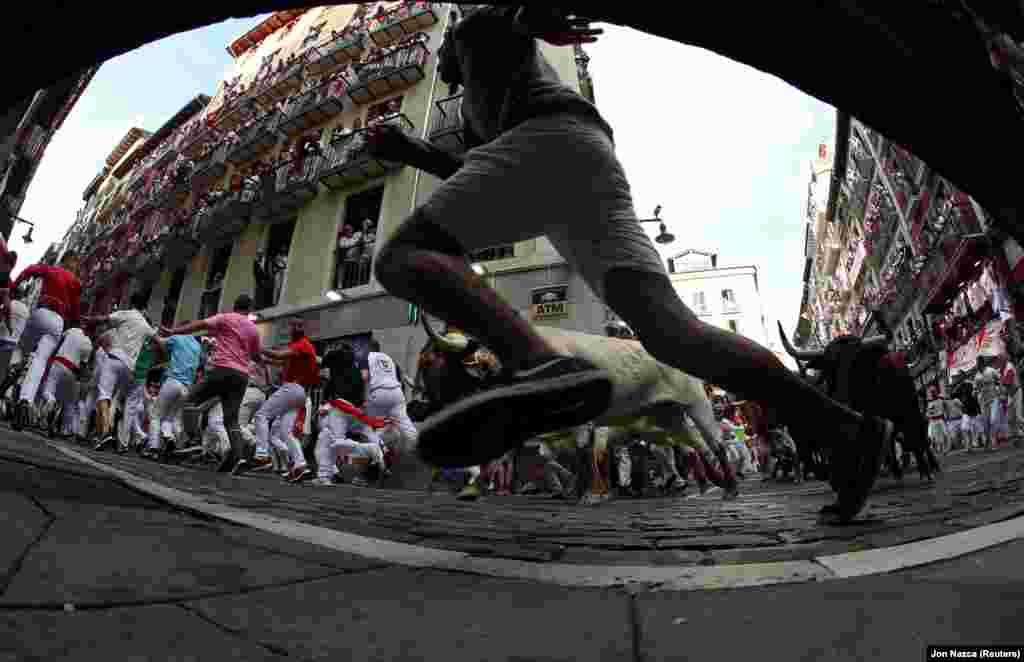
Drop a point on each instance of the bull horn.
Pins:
(442, 343)
(799, 355)
(875, 342)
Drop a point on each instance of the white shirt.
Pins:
(19, 318)
(956, 408)
(382, 372)
(76, 347)
(986, 385)
(129, 335)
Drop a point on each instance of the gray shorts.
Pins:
(554, 176)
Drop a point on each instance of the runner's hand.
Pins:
(559, 28)
(387, 142)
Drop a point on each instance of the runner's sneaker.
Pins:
(262, 463)
(299, 474)
(104, 442)
(554, 393)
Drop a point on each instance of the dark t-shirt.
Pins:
(345, 381)
(493, 58)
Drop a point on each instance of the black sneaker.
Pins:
(861, 462)
(555, 393)
(241, 467)
(227, 463)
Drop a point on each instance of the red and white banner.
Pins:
(986, 343)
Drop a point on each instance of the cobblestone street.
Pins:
(770, 522)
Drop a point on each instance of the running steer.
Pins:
(868, 377)
(646, 394)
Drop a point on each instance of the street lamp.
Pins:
(664, 237)
(27, 237)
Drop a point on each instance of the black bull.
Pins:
(444, 376)
(869, 378)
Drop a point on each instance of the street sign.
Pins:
(550, 303)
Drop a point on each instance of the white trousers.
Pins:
(169, 404)
(85, 411)
(390, 402)
(134, 414)
(61, 388)
(282, 407)
(333, 440)
(114, 377)
(215, 437)
(40, 338)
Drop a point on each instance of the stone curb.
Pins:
(641, 578)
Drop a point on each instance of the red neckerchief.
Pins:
(375, 422)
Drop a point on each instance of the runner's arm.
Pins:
(187, 329)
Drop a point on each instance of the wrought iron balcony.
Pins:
(210, 168)
(446, 125)
(194, 142)
(315, 106)
(402, 21)
(354, 272)
(335, 53)
(225, 217)
(390, 72)
(279, 85)
(236, 111)
(295, 183)
(173, 190)
(349, 162)
(255, 140)
(165, 154)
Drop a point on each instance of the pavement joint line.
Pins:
(645, 578)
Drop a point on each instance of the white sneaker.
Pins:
(323, 482)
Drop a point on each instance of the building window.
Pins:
(173, 296)
(215, 281)
(272, 264)
(493, 253)
(700, 304)
(356, 239)
(729, 304)
(734, 326)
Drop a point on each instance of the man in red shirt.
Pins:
(58, 302)
(301, 371)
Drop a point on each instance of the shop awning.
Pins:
(964, 266)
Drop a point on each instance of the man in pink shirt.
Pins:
(237, 345)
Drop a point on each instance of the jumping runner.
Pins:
(527, 130)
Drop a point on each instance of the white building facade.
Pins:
(728, 297)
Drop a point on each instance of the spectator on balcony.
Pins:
(350, 244)
(58, 302)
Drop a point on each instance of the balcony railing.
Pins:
(225, 217)
(354, 272)
(164, 154)
(446, 125)
(349, 162)
(389, 72)
(295, 184)
(279, 85)
(315, 106)
(255, 139)
(402, 21)
(210, 168)
(335, 53)
(236, 111)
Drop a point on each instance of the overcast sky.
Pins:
(724, 149)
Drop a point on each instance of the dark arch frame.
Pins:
(908, 69)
